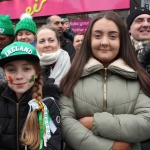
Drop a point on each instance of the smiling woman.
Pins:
(105, 102)
(54, 60)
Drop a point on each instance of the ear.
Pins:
(130, 31)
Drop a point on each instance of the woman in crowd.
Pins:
(53, 59)
(105, 103)
(30, 116)
(26, 29)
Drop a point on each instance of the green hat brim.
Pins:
(18, 57)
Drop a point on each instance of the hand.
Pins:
(87, 122)
(121, 146)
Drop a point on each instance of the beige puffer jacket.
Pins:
(113, 96)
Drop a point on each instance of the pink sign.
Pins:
(79, 26)
(49, 7)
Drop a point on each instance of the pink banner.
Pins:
(49, 7)
(79, 26)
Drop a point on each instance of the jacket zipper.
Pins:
(17, 109)
(105, 92)
(17, 115)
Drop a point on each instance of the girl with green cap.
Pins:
(26, 29)
(30, 115)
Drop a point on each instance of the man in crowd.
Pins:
(56, 22)
(77, 42)
(138, 24)
(67, 31)
(6, 34)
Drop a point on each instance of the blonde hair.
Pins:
(30, 133)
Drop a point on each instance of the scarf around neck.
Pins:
(61, 67)
(48, 59)
(139, 45)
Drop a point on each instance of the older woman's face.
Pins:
(105, 41)
(47, 42)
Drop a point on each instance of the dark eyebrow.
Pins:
(99, 31)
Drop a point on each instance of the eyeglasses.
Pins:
(141, 20)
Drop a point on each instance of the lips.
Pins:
(104, 50)
(19, 84)
(144, 31)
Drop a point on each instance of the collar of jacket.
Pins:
(10, 94)
(117, 67)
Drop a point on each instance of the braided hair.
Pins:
(30, 133)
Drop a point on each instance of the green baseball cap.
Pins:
(18, 51)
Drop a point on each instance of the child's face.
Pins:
(20, 75)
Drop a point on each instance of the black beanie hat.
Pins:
(135, 13)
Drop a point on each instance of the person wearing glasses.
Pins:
(56, 22)
(138, 24)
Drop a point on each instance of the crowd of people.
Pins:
(66, 91)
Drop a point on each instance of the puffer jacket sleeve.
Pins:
(130, 128)
(75, 134)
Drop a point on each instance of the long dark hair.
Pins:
(126, 52)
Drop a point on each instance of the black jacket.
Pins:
(67, 45)
(13, 115)
(69, 34)
(144, 57)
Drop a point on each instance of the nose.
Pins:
(104, 41)
(60, 25)
(145, 23)
(18, 75)
(23, 36)
(80, 42)
(47, 44)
